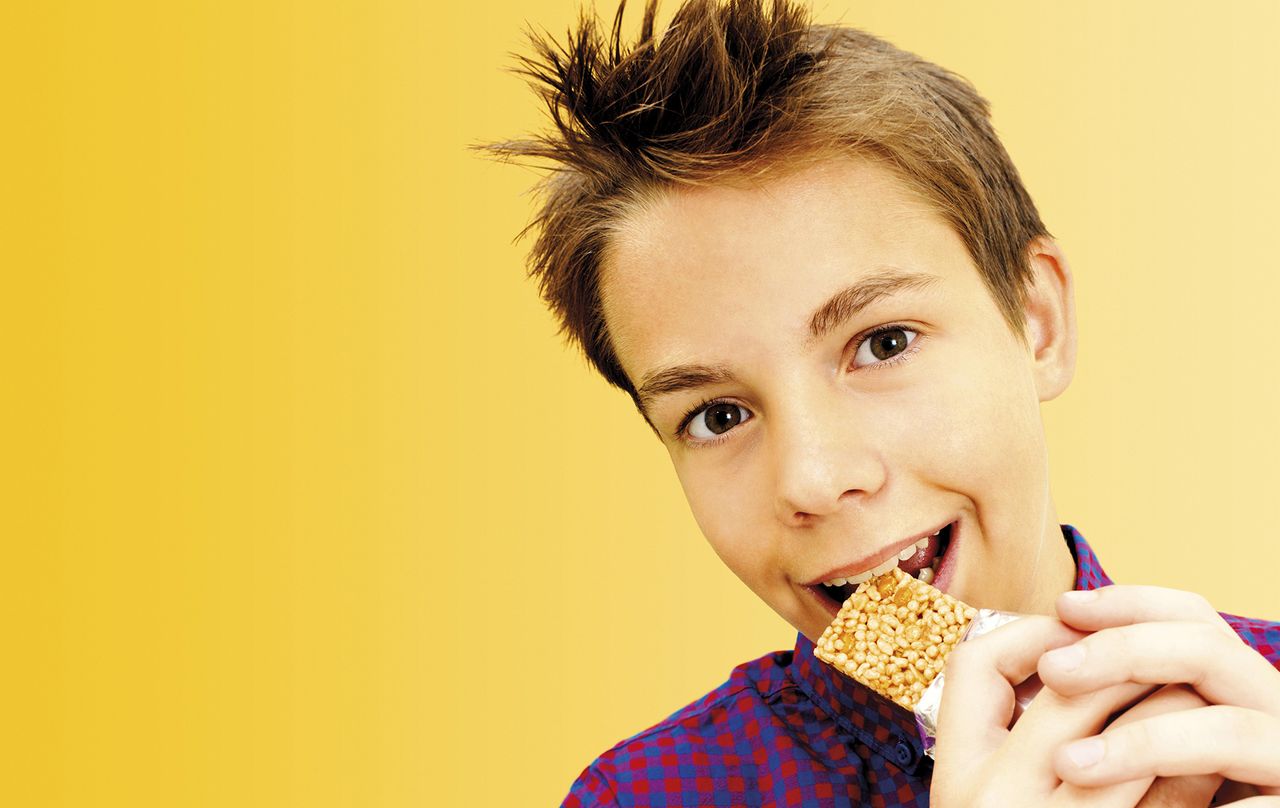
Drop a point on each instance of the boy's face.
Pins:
(825, 452)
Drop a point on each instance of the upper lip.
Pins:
(870, 562)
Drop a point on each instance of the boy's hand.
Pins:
(981, 762)
(1185, 791)
(1149, 636)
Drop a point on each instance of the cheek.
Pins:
(729, 515)
(986, 436)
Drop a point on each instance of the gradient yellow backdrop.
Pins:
(306, 505)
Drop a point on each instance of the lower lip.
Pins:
(946, 570)
(941, 580)
(828, 605)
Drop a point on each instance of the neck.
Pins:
(1056, 568)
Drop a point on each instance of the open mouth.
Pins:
(923, 564)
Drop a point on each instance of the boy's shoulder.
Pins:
(725, 720)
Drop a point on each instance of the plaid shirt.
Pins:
(787, 729)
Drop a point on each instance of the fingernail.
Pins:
(1081, 595)
(1066, 659)
(1087, 752)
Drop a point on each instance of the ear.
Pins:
(1051, 318)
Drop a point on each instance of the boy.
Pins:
(808, 259)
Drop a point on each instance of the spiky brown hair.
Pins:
(745, 87)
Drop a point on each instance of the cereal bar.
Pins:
(893, 635)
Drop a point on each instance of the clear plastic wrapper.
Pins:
(926, 710)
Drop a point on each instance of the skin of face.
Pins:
(839, 453)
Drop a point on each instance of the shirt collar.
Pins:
(874, 720)
(1089, 572)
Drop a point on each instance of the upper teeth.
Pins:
(888, 564)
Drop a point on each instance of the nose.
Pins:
(822, 462)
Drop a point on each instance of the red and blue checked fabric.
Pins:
(787, 730)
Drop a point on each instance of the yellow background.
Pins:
(305, 503)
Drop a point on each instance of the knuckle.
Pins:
(961, 659)
(1113, 652)
(1225, 631)
(1039, 623)
(1113, 644)
(1206, 635)
(1221, 636)
(1201, 604)
(1137, 741)
(1252, 726)
(1168, 699)
(1182, 697)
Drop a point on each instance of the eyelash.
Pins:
(681, 430)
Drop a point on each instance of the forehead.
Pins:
(716, 273)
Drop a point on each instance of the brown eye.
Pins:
(717, 419)
(884, 344)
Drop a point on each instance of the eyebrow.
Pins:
(841, 307)
(848, 302)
